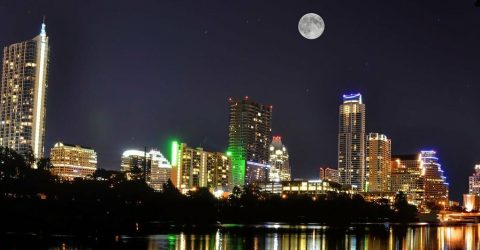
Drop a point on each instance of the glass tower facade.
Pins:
(351, 142)
(436, 186)
(23, 95)
(249, 134)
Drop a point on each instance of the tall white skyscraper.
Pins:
(351, 142)
(23, 95)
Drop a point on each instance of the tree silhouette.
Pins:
(44, 164)
(29, 157)
(12, 164)
(404, 211)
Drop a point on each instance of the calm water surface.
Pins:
(273, 236)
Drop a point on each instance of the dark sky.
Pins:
(125, 74)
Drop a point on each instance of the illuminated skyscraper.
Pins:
(23, 95)
(378, 163)
(474, 181)
(155, 166)
(135, 163)
(351, 142)
(436, 186)
(193, 168)
(279, 163)
(249, 134)
(72, 161)
(407, 176)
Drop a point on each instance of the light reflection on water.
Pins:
(318, 237)
(277, 236)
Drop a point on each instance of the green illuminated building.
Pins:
(249, 134)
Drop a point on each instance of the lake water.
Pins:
(272, 236)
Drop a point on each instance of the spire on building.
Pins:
(43, 32)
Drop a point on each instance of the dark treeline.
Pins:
(32, 200)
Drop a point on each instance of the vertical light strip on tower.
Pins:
(39, 120)
(174, 153)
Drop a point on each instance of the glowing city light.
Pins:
(174, 153)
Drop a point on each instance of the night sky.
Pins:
(125, 75)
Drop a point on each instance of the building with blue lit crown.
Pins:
(351, 142)
(435, 182)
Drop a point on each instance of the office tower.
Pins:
(256, 173)
(329, 174)
(151, 166)
(407, 176)
(160, 170)
(193, 168)
(378, 163)
(279, 164)
(249, 133)
(351, 142)
(436, 186)
(135, 164)
(474, 181)
(23, 95)
(72, 161)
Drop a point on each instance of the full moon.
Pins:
(311, 26)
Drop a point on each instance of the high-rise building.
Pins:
(351, 142)
(378, 163)
(407, 176)
(135, 164)
(23, 95)
(279, 164)
(474, 181)
(72, 161)
(193, 168)
(249, 134)
(151, 166)
(329, 174)
(256, 173)
(421, 178)
(160, 170)
(436, 186)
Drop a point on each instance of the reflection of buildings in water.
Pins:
(460, 237)
(420, 237)
(218, 240)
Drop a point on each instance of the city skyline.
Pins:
(431, 86)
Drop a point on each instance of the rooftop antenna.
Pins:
(43, 32)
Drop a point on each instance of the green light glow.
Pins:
(238, 165)
(229, 153)
(174, 153)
